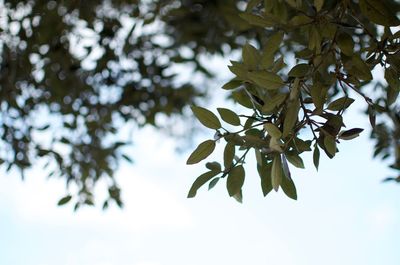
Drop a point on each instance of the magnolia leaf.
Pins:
(258, 20)
(232, 84)
(350, 134)
(288, 187)
(345, 43)
(201, 152)
(229, 116)
(273, 130)
(200, 181)
(291, 117)
(206, 117)
(235, 180)
(316, 155)
(273, 44)
(250, 56)
(299, 70)
(295, 159)
(276, 172)
(318, 4)
(214, 166)
(238, 196)
(265, 79)
(264, 171)
(379, 12)
(275, 101)
(229, 155)
(330, 145)
(340, 103)
(213, 183)
(64, 200)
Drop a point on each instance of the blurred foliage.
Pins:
(297, 104)
(74, 73)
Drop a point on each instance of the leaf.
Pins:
(275, 101)
(206, 117)
(316, 155)
(257, 20)
(229, 116)
(273, 44)
(200, 181)
(276, 172)
(340, 103)
(295, 159)
(330, 145)
(291, 117)
(299, 70)
(372, 116)
(238, 197)
(273, 130)
(235, 180)
(345, 43)
(250, 56)
(201, 152)
(350, 134)
(318, 4)
(264, 171)
(265, 79)
(229, 155)
(64, 200)
(213, 183)
(232, 84)
(379, 12)
(288, 187)
(213, 166)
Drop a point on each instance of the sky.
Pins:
(343, 215)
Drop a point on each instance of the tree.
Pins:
(89, 67)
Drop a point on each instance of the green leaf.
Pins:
(288, 187)
(316, 155)
(291, 117)
(265, 79)
(275, 101)
(264, 171)
(295, 159)
(206, 117)
(232, 84)
(273, 130)
(299, 70)
(64, 200)
(213, 166)
(276, 172)
(229, 154)
(250, 56)
(318, 4)
(235, 180)
(213, 183)
(238, 196)
(229, 116)
(201, 152)
(350, 134)
(318, 95)
(330, 145)
(200, 181)
(273, 44)
(258, 20)
(379, 12)
(345, 43)
(340, 103)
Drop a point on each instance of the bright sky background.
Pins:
(343, 215)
